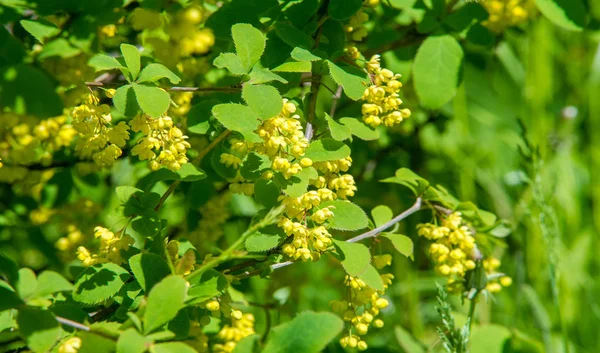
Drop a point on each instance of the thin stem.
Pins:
(172, 88)
(370, 234)
(336, 97)
(228, 253)
(72, 323)
(472, 310)
(375, 232)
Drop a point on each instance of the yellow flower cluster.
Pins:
(71, 345)
(163, 137)
(382, 102)
(215, 212)
(26, 140)
(98, 138)
(506, 13)
(110, 248)
(242, 325)
(495, 285)
(363, 305)
(284, 143)
(176, 36)
(453, 250)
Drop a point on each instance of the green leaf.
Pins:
(260, 75)
(172, 347)
(9, 269)
(60, 47)
(8, 298)
(264, 100)
(259, 242)
(102, 62)
(489, 338)
(131, 341)
(155, 72)
(355, 257)
(346, 215)
(372, 278)
(343, 9)
(25, 89)
(327, 150)
(11, 49)
(436, 70)
(266, 192)
(249, 44)
(99, 283)
(199, 116)
(360, 129)
(309, 332)
(164, 302)
(27, 283)
(408, 178)
(189, 172)
(352, 80)
(294, 66)
(38, 328)
(210, 284)
(254, 165)
(568, 14)
(402, 243)
(381, 215)
(231, 62)
(148, 269)
(50, 282)
(40, 29)
(299, 182)
(94, 343)
(125, 102)
(407, 341)
(154, 101)
(302, 54)
(247, 344)
(338, 131)
(292, 36)
(238, 118)
(125, 192)
(132, 58)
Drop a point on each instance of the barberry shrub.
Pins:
(242, 176)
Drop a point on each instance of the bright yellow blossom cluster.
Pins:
(382, 101)
(163, 137)
(454, 249)
(284, 143)
(242, 325)
(98, 138)
(363, 305)
(183, 100)
(110, 248)
(506, 13)
(175, 36)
